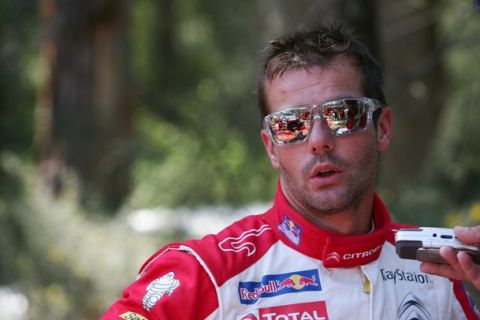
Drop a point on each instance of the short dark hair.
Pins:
(318, 46)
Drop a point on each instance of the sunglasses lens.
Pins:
(342, 118)
(290, 126)
(345, 117)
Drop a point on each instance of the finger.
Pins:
(450, 256)
(471, 270)
(443, 270)
(452, 269)
(470, 235)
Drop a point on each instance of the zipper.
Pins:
(367, 285)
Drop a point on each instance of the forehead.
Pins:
(316, 84)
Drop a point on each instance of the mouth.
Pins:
(324, 171)
(324, 174)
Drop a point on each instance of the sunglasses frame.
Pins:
(372, 106)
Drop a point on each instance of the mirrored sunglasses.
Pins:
(342, 117)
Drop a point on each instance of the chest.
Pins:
(286, 285)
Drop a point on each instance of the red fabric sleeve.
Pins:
(173, 286)
(464, 300)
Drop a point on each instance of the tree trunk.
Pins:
(410, 49)
(359, 15)
(85, 110)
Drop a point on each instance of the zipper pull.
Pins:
(367, 286)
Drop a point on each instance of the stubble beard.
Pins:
(333, 199)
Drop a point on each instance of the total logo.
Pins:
(302, 311)
(277, 284)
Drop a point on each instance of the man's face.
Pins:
(326, 173)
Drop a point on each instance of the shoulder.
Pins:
(238, 246)
(182, 278)
(229, 252)
(173, 285)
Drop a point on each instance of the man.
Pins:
(325, 248)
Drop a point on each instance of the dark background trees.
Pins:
(86, 102)
(108, 106)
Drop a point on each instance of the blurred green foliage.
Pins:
(184, 166)
(206, 147)
(69, 264)
(449, 185)
(18, 25)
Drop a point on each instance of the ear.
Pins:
(269, 148)
(384, 129)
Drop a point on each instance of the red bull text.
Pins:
(274, 285)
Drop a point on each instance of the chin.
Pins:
(333, 202)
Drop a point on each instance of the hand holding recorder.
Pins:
(456, 255)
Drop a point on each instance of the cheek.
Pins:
(289, 158)
(367, 153)
(358, 147)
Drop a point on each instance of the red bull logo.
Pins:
(291, 230)
(274, 285)
(297, 282)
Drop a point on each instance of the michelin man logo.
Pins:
(158, 288)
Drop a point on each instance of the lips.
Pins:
(324, 170)
(325, 174)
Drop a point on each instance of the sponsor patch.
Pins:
(291, 230)
(158, 288)
(362, 254)
(301, 311)
(333, 256)
(397, 275)
(132, 316)
(277, 284)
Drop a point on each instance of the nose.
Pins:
(321, 139)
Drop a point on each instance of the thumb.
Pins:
(470, 235)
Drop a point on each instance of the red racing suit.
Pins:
(279, 266)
